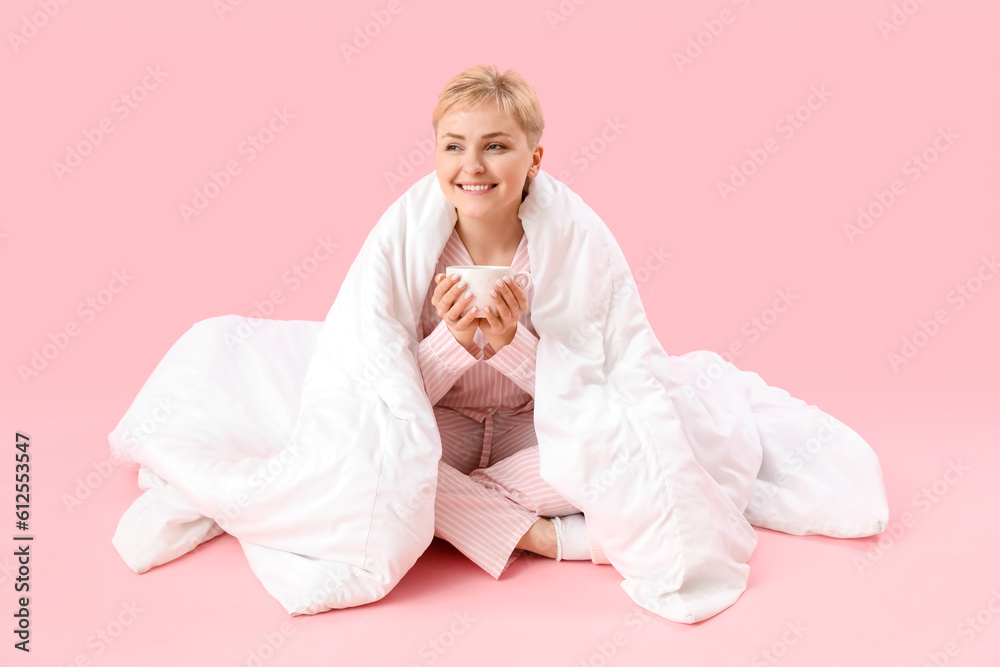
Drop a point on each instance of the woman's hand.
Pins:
(500, 323)
(450, 298)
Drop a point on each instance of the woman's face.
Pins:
(484, 148)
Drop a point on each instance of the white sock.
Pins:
(571, 536)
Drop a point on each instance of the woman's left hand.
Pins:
(500, 323)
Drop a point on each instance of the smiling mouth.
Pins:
(477, 188)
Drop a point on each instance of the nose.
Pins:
(473, 165)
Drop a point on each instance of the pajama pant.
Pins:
(489, 489)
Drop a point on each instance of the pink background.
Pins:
(680, 131)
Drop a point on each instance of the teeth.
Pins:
(475, 187)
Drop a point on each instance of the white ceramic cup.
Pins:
(483, 278)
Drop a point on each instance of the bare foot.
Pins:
(540, 539)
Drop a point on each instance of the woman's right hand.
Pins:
(451, 296)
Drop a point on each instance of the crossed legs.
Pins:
(492, 514)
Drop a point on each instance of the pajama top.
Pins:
(490, 490)
(453, 376)
(479, 393)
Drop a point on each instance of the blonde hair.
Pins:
(510, 94)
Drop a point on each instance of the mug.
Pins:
(480, 279)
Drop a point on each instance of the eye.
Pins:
(450, 146)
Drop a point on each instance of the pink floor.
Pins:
(905, 128)
(818, 601)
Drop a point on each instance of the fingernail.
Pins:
(454, 276)
(461, 285)
(493, 292)
(467, 294)
(506, 279)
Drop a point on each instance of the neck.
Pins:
(484, 238)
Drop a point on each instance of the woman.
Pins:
(316, 448)
(478, 368)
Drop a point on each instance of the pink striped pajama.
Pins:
(489, 490)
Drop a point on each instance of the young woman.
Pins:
(479, 368)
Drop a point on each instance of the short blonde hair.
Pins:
(482, 85)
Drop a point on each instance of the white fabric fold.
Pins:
(316, 446)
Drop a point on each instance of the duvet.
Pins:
(315, 445)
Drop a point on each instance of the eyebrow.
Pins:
(485, 136)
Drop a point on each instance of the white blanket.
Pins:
(316, 446)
